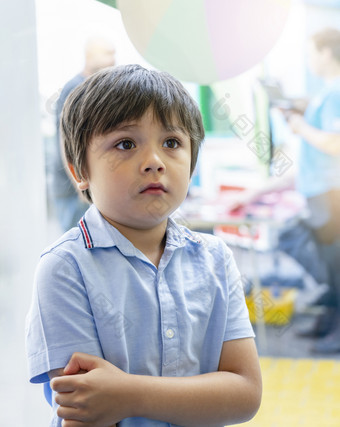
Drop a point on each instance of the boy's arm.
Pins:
(106, 394)
(231, 395)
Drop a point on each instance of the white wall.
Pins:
(63, 27)
(22, 218)
(286, 61)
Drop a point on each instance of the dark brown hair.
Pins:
(116, 95)
(328, 38)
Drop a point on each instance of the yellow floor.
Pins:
(298, 393)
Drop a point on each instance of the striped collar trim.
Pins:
(85, 233)
(105, 235)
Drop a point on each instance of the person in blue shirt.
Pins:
(318, 174)
(136, 320)
(317, 178)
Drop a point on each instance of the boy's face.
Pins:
(139, 173)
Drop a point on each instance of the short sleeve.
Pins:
(330, 115)
(238, 323)
(60, 320)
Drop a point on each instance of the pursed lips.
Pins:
(154, 188)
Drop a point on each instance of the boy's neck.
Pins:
(151, 242)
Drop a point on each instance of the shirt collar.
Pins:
(99, 233)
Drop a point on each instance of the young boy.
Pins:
(143, 322)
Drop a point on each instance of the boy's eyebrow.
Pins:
(126, 126)
(168, 128)
(171, 128)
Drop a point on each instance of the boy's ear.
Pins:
(82, 184)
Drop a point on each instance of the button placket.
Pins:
(170, 336)
(170, 333)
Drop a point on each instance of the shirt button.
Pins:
(170, 333)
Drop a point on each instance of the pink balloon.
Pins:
(207, 40)
(243, 31)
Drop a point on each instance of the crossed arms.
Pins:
(105, 395)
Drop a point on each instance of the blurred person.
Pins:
(317, 178)
(67, 201)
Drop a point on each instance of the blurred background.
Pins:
(44, 45)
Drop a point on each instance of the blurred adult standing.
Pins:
(317, 178)
(67, 202)
(318, 174)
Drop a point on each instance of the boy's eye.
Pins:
(125, 145)
(171, 143)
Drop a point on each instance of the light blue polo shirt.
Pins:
(96, 293)
(319, 172)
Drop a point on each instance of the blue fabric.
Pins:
(48, 393)
(299, 242)
(61, 184)
(111, 301)
(318, 172)
(68, 205)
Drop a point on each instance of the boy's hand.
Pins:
(96, 398)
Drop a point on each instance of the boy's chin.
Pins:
(150, 223)
(142, 223)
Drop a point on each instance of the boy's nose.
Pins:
(152, 162)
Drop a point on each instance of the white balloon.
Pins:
(204, 41)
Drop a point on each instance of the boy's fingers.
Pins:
(65, 399)
(73, 423)
(63, 384)
(66, 413)
(81, 361)
(69, 415)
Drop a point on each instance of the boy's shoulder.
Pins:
(90, 232)
(71, 238)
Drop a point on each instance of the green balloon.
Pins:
(112, 3)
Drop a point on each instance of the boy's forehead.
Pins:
(172, 123)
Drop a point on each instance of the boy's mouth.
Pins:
(153, 188)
